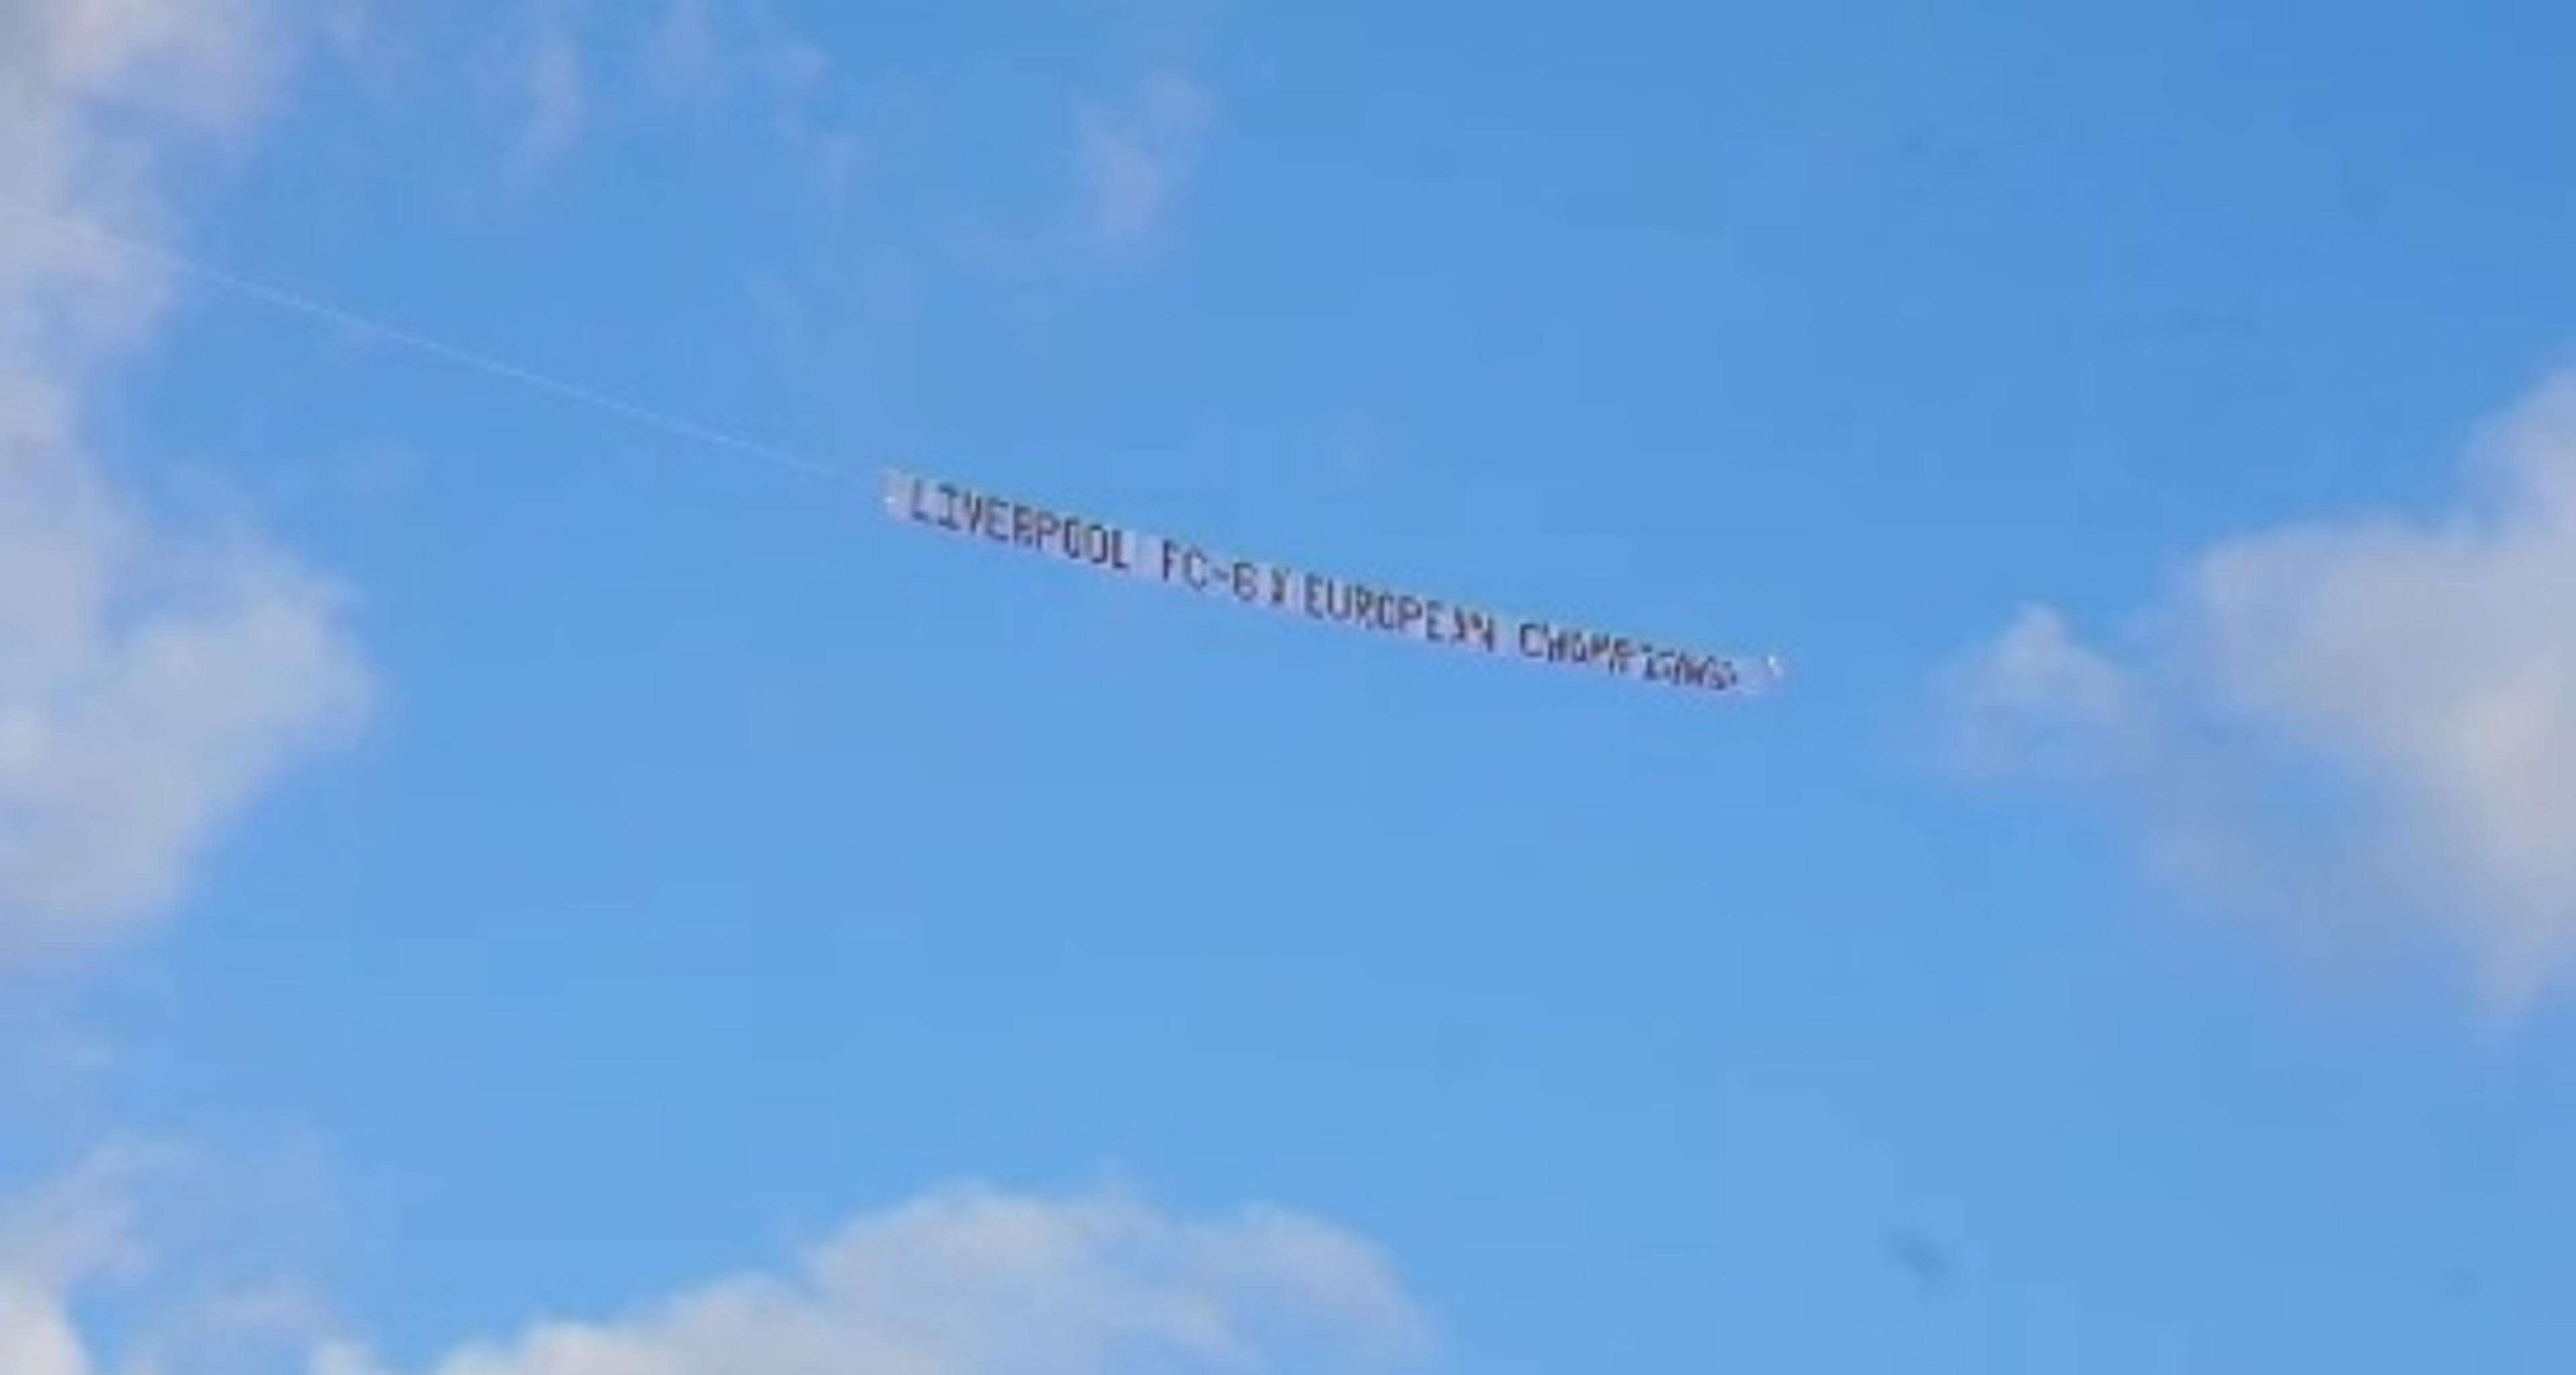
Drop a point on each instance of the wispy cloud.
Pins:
(2368, 722)
(685, 55)
(554, 94)
(555, 99)
(690, 57)
(1134, 157)
(154, 678)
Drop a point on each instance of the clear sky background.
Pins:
(484, 874)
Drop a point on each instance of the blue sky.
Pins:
(602, 863)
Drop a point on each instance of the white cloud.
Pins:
(2375, 718)
(959, 1282)
(36, 1336)
(82, 1224)
(152, 679)
(1133, 160)
(54, 1240)
(971, 1282)
(107, 1225)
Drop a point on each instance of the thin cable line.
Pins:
(280, 297)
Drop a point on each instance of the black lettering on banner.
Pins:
(1318, 596)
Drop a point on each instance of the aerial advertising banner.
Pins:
(1186, 564)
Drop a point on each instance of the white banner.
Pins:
(958, 510)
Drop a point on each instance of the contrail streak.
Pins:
(349, 319)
